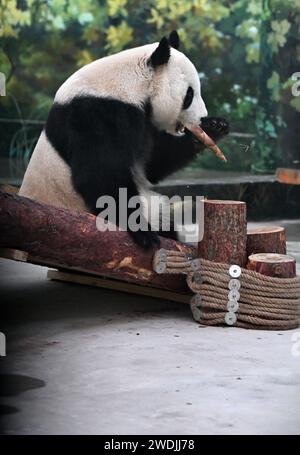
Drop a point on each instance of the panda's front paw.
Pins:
(215, 127)
(146, 239)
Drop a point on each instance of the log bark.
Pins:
(70, 240)
(225, 232)
(275, 265)
(269, 239)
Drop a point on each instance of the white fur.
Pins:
(125, 76)
(48, 178)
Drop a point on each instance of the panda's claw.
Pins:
(146, 239)
(215, 127)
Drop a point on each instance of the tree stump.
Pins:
(225, 232)
(267, 239)
(275, 265)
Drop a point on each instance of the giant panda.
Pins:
(120, 122)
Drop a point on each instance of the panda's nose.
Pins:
(204, 114)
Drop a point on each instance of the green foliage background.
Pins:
(246, 52)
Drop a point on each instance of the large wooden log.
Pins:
(270, 264)
(69, 239)
(267, 239)
(225, 232)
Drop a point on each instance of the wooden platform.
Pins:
(84, 278)
(288, 176)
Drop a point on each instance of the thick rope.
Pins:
(263, 302)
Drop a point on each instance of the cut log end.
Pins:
(266, 239)
(271, 264)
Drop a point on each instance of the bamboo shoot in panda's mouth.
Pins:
(201, 135)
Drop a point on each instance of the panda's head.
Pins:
(175, 90)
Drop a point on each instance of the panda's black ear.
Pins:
(161, 54)
(174, 39)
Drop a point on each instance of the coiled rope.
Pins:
(257, 301)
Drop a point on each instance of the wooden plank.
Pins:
(93, 280)
(289, 176)
(6, 188)
(115, 285)
(15, 255)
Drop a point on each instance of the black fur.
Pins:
(172, 153)
(161, 54)
(188, 99)
(174, 40)
(215, 127)
(101, 140)
(169, 154)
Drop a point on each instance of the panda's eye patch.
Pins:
(188, 98)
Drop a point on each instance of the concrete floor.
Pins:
(88, 361)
